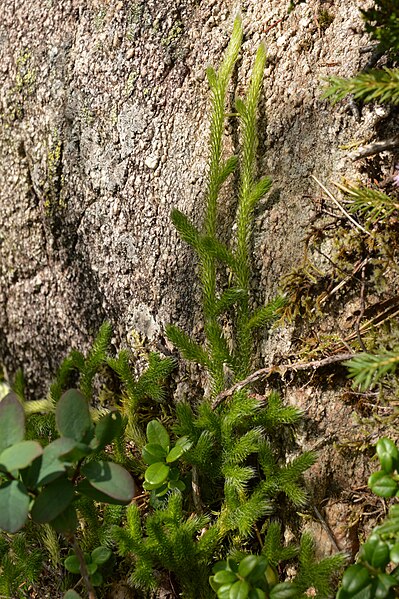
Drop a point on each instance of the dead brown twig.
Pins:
(280, 369)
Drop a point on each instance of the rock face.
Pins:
(104, 130)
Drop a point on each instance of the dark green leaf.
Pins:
(20, 455)
(394, 554)
(110, 479)
(225, 577)
(248, 564)
(376, 553)
(91, 568)
(355, 578)
(72, 415)
(51, 466)
(96, 579)
(72, 564)
(157, 434)
(12, 421)
(14, 506)
(53, 500)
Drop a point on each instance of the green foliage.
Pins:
(50, 474)
(380, 85)
(367, 369)
(170, 539)
(377, 570)
(372, 205)
(212, 252)
(97, 558)
(382, 23)
(160, 476)
(20, 565)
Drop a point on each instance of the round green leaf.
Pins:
(72, 415)
(257, 594)
(239, 590)
(225, 577)
(224, 592)
(110, 479)
(20, 455)
(153, 453)
(100, 555)
(388, 454)
(254, 570)
(382, 484)
(175, 453)
(284, 590)
(12, 421)
(53, 500)
(52, 465)
(72, 564)
(376, 552)
(355, 578)
(156, 474)
(247, 565)
(14, 506)
(157, 434)
(71, 594)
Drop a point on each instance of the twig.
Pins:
(361, 313)
(279, 369)
(348, 216)
(326, 528)
(375, 148)
(196, 491)
(83, 566)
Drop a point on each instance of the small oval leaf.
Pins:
(156, 474)
(107, 428)
(72, 564)
(100, 555)
(175, 453)
(153, 453)
(72, 415)
(157, 434)
(20, 455)
(14, 506)
(110, 479)
(12, 421)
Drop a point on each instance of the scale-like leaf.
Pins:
(20, 455)
(12, 421)
(14, 506)
(72, 415)
(110, 479)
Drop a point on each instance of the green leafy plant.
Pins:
(161, 476)
(382, 23)
(97, 558)
(234, 461)
(377, 572)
